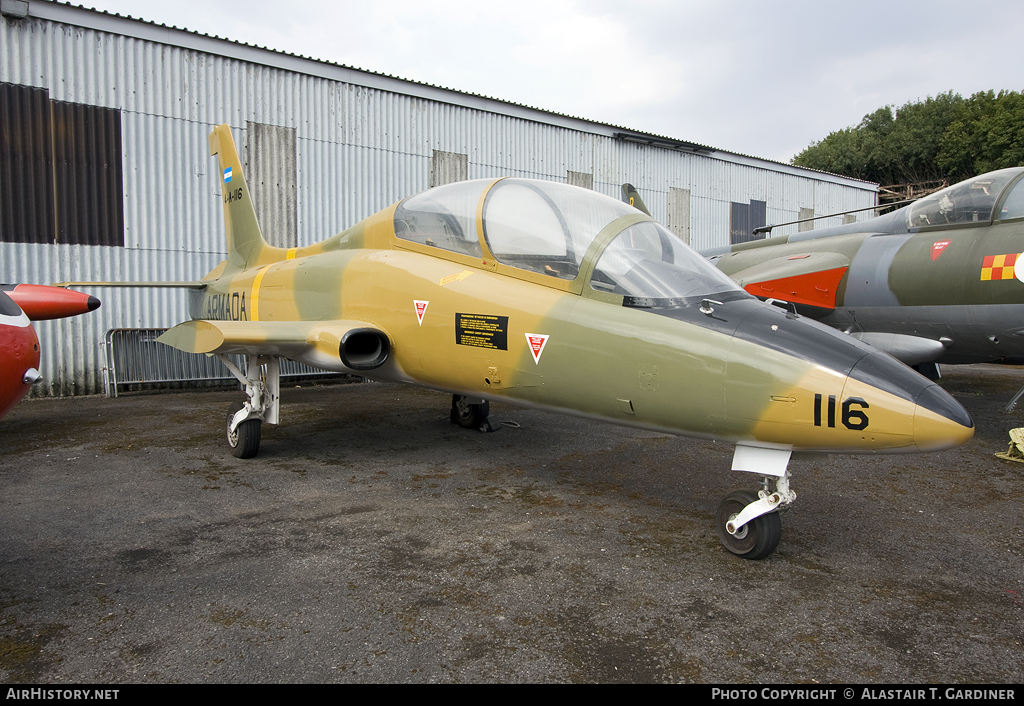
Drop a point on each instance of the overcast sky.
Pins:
(759, 78)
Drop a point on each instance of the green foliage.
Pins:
(989, 134)
(945, 137)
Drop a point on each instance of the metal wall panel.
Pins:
(678, 218)
(171, 187)
(806, 224)
(582, 179)
(270, 174)
(87, 174)
(26, 165)
(357, 149)
(448, 168)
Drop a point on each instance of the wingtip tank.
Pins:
(41, 302)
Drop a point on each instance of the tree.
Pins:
(989, 135)
(945, 137)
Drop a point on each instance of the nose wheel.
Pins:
(755, 539)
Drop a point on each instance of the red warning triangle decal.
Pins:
(421, 309)
(938, 247)
(537, 341)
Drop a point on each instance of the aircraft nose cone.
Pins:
(940, 422)
(917, 409)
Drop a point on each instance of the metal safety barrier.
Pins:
(134, 357)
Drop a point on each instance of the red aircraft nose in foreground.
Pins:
(19, 346)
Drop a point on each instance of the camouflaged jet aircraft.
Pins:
(552, 296)
(938, 281)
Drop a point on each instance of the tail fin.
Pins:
(630, 196)
(245, 239)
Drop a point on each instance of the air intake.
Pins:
(364, 349)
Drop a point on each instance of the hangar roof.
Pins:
(82, 16)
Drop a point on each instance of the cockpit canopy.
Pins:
(971, 201)
(552, 229)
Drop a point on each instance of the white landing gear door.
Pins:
(761, 460)
(766, 462)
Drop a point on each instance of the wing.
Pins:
(342, 346)
(804, 278)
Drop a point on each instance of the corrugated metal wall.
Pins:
(357, 150)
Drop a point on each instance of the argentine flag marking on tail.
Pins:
(227, 175)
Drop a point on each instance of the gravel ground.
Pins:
(373, 541)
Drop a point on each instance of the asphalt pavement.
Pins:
(373, 541)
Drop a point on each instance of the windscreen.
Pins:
(7, 306)
(1013, 204)
(647, 260)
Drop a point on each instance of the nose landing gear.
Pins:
(748, 525)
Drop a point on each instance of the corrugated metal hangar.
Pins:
(105, 173)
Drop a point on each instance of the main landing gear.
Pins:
(470, 413)
(262, 384)
(748, 525)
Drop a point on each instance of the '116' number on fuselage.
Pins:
(852, 418)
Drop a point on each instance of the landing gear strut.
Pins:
(748, 525)
(262, 384)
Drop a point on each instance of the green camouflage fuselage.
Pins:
(552, 335)
(604, 360)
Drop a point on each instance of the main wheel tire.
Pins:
(245, 440)
(758, 538)
(469, 416)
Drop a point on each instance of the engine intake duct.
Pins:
(364, 349)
